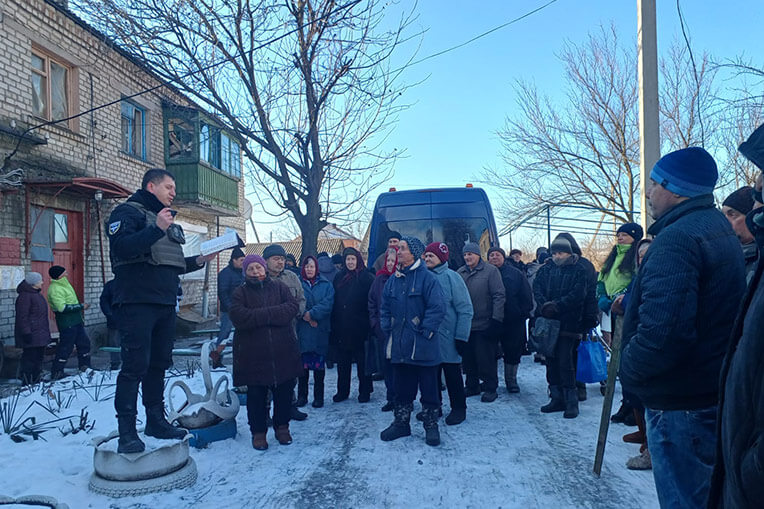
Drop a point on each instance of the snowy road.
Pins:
(506, 454)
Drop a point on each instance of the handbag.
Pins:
(544, 336)
(592, 362)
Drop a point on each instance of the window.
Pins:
(50, 87)
(230, 156)
(209, 145)
(60, 228)
(180, 134)
(133, 130)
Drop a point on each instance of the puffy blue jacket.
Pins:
(457, 320)
(319, 300)
(410, 316)
(682, 307)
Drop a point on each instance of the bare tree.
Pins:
(586, 152)
(307, 86)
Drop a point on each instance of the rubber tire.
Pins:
(182, 478)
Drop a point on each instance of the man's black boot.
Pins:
(158, 427)
(431, 432)
(557, 404)
(571, 403)
(128, 436)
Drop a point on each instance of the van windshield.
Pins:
(455, 232)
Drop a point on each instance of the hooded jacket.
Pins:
(410, 316)
(564, 286)
(32, 327)
(64, 303)
(682, 308)
(229, 279)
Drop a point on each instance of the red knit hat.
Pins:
(439, 249)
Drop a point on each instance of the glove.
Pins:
(461, 347)
(604, 304)
(550, 310)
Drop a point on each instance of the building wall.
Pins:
(89, 146)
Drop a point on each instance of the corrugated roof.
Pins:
(294, 247)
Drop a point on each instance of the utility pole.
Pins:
(649, 135)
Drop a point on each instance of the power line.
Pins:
(694, 72)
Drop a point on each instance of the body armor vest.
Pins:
(163, 252)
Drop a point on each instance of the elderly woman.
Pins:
(313, 331)
(375, 301)
(350, 325)
(265, 351)
(32, 328)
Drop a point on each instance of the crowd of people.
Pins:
(692, 336)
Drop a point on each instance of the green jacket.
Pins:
(614, 280)
(64, 303)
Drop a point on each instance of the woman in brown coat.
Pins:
(265, 350)
(32, 329)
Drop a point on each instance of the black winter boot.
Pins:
(400, 426)
(510, 377)
(581, 391)
(302, 390)
(557, 404)
(456, 416)
(318, 388)
(158, 427)
(571, 403)
(420, 415)
(431, 433)
(128, 437)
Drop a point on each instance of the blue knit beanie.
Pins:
(687, 172)
(415, 246)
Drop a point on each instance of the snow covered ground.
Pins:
(506, 454)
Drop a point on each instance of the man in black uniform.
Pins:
(146, 258)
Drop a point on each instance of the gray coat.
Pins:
(486, 292)
(458, 318)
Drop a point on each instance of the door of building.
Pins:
(66, 243)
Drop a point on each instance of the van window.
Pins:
(455, 232)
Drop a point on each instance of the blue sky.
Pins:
(448, 133)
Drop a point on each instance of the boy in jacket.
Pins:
(71, 326)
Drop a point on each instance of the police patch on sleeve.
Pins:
(114, 227)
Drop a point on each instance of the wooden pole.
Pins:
(607, 404)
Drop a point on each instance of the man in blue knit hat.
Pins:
(678, 322)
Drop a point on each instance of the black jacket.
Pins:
(229, 279)
(105, 302)
(563, 288)
(350, 313)
(130, 237)
(518, 294)
(683, 304)
(738, 478)
(590, 317)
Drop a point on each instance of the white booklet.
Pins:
(226, 241)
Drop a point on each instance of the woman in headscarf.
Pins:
(350, 324)
(375, 301)
(313, 331)
(265, 350)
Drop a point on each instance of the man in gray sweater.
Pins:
(487, 294)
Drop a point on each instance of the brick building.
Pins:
(61, 181)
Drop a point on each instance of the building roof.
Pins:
(294, 247)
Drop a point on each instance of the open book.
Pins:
(228, 240)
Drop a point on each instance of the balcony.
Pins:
(205, 159)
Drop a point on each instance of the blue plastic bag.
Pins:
(592, 364)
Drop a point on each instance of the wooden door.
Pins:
(67, 252)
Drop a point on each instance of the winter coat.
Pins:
(519, 296)
(682, 308)
(411, 314)
(229, 279)
(294, 283)
(751, 255)
(487, 294)
(319, 300)
(265, 349)
(375, 301)
(130, 238)
(32, 327)
(457, 320)
(591, 312)
(64, 303)
(106, 303)
(326, 268)
(738, 478)
(614, 282)
(563, 288)
(350, 314)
